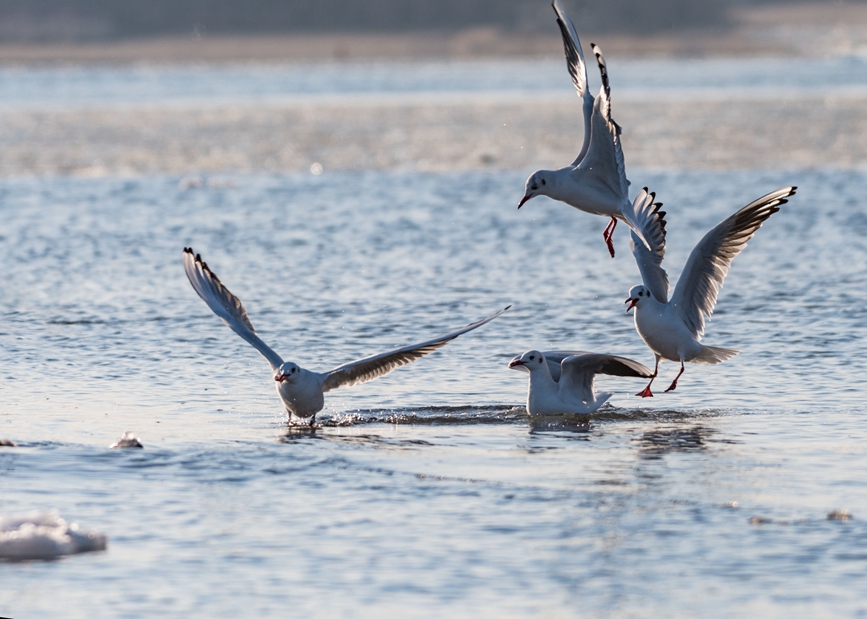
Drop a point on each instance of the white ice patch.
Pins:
(43, 536)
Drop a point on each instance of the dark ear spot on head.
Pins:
(544, 182)
(540, 359)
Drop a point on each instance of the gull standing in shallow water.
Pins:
(672, 329)
(302, 391)
(562, 382)
(596, 181)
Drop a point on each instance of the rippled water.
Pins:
(428, 492)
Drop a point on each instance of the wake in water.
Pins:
(493, 414)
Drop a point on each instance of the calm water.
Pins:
(154, 85)
(428, 492)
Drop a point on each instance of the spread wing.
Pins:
(579, 371)
(555, 357)
(375, 366)
(224, 304)
(605, 155)
(578, 70)
(649, 255)
(696, 292)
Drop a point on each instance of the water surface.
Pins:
(428, 491)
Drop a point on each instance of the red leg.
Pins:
(646, 392)
(673, 384)
(608, 233)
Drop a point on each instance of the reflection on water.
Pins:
(560, 423)
(656, 443)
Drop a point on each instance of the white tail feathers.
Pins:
(711, 354)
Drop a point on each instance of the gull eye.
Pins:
(532, 357)
(534, 187)
(640, 294)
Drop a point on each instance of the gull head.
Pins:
(528, 362)
(288, 372)
(637, 296)
(536, 185)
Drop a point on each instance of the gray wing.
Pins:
(696, 292)
(578, 70)
(555, 357)
(579, 371)
(224, 304)
(649, 256)
(605, 155)
(375, 366)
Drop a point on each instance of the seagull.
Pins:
(672, 329)
(302, 391)
(596, 181)
(562, 382)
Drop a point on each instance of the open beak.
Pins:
(632, 303)
(279, 378)
(515, 363)
(524, 199)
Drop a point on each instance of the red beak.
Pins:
(632, 303)
(279, 378)
(524, 199)
(515, 362)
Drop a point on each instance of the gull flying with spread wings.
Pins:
(302, 391)
(596, 181)
(672, 328)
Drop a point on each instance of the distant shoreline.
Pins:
(811, 29)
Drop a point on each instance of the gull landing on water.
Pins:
(672, 329)
(596, 181)
(302, 391)
(562, 382)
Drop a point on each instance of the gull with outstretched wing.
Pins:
(595, 182)
(561, 382)
(303, 391)
(672, 328)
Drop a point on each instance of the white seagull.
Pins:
(672, 329)
(302, 391)
(562, 382)
(596, 181)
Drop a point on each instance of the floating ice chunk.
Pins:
(44, 536)
(128, 440)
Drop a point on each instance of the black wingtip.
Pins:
(507, 307)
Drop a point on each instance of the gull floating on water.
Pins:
(562, 382)
(673, 328)
(302, 391)
(596, 181)
(127, 441)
